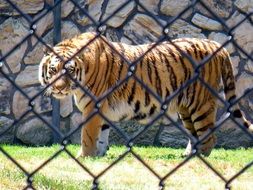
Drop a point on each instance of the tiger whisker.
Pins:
(47, 93)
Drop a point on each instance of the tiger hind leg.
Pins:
(186, 119)
(103, 141)
(203, 121)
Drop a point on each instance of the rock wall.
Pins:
(133, 24)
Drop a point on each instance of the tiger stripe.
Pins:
(158, 80)
(149, 69)
(132, 93)
(171, 73)
(147, 98)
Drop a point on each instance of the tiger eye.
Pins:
(52, 69)
(71, 70)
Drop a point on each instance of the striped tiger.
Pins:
(99, 65)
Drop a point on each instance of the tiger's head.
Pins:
(60, 73)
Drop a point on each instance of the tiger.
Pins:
(140, 78)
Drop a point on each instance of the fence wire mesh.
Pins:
(101, 28)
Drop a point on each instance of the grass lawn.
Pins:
(65, 174)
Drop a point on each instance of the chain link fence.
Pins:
(100, 26)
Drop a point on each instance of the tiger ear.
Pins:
(47, 49)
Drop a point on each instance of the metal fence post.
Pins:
(56, 39)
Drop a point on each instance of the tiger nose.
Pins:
(59, 84)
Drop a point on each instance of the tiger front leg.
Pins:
(89, 137)
(204, 148)
(189, 149)
(103, 141)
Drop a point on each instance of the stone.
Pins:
(75, 120)
(26, 6)
(205, 22)
(64, 126)
(143, 29)
(173, 137)
(94, 8)
(7, 128)
(244, 5)
(35, 55)
(150, 5)
(12, 31)
(35, 132)
(222, 8)
(82, 19)
(242, 33)
(173, 8)
(243, 83)
(235, 63)
(249, 66)
(5, 96)
(251, 104)
(111, 35)
(222, 38)
(20, 103)
(246, 104)
(68, 30)
(131, 129)
(42, 25)
(180, 29)
(126, 41)
(227, 134)
(66, 106)
(66, 8)
(27, 77)
(119, 18)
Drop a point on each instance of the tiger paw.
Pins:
(78, 155)
(189, 150)
(187, 153)
(82, 154)
(102, 152)
(207, 147)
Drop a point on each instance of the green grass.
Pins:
(129, 174)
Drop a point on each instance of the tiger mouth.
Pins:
(67, 91)
(49, 92)
(59, 96)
